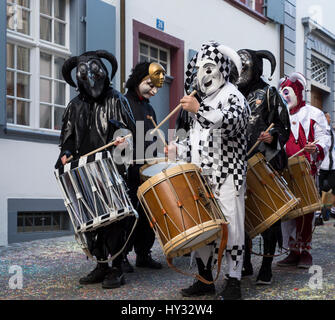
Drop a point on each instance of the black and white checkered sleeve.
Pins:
(184, 150)
(230, 118)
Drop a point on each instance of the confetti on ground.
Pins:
(51, 270)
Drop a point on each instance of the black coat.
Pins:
(86, 125)
(141, 109)
(268, 107)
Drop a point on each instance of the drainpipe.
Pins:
(123, 43)
(282, 49)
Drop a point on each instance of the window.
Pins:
(319, 71)
(250, 3)
(19, 16)
(256, 5)
(254, 8)
(152, 53)
(36, 93)
(52, 91)
(18, 85)
(42, 221)
(53, 21)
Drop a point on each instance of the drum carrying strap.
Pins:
(223, 245)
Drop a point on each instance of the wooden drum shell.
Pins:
(181, 209)
(301, 182)
(268, 198)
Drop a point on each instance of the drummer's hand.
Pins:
(190, 104)
(266, 137)
(120, 141)
(310, 148)
(64, 160)
(171, 152)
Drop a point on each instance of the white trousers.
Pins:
(233, 207)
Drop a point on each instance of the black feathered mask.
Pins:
(252, 66)
(91, 72)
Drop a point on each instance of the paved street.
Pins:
(51, 269)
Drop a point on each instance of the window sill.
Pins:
(239, 5)
(321, 86)
(17, 133)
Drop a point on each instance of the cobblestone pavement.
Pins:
(52, 268)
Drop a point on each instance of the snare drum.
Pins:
(268, 199)
(181, 208)
(94, 193)
(301, 182)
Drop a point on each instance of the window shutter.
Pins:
(100, 27)
(274, 10)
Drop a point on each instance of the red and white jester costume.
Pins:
(308, 124)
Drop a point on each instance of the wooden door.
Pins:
(317, 98)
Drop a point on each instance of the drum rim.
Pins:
(192, 234)
(297, 160)
(299, 212)
(160, 177)
(258, 157)
(279, 214)
(83, 161)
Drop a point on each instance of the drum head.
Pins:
(149, 170)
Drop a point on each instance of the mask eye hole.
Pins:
(95, 68)
(286, 92)
(82, 71)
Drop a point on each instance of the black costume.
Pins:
(266, 107)
(87, 126)
(143, 237)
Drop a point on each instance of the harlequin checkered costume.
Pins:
(225, 114)
(217, 143)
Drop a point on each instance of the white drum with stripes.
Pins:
(94, 192)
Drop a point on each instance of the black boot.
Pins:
(247, 265)
(126, 266)
(114, 279)
(146, 261)
(265, 274)
(271, 237)
(199, 288)
(232, 290)
(97, 275)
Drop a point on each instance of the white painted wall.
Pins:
(321, 11)
(197, 21)
(26, 171)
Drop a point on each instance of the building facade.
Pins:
(38, 35)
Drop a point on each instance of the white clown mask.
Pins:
(146, 89)
(209, 69)
(209, 77)
(290, 97)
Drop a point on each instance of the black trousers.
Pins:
(271, 237)
(143, 237)
(108, 240)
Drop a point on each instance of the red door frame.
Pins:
(176, 47)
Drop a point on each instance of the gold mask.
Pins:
(156, 74)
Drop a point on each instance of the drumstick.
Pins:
(258, 142)
(159, 132)
(172, 113)
(69, 159)
(302, 150)
(149, 159)
(106, 146)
